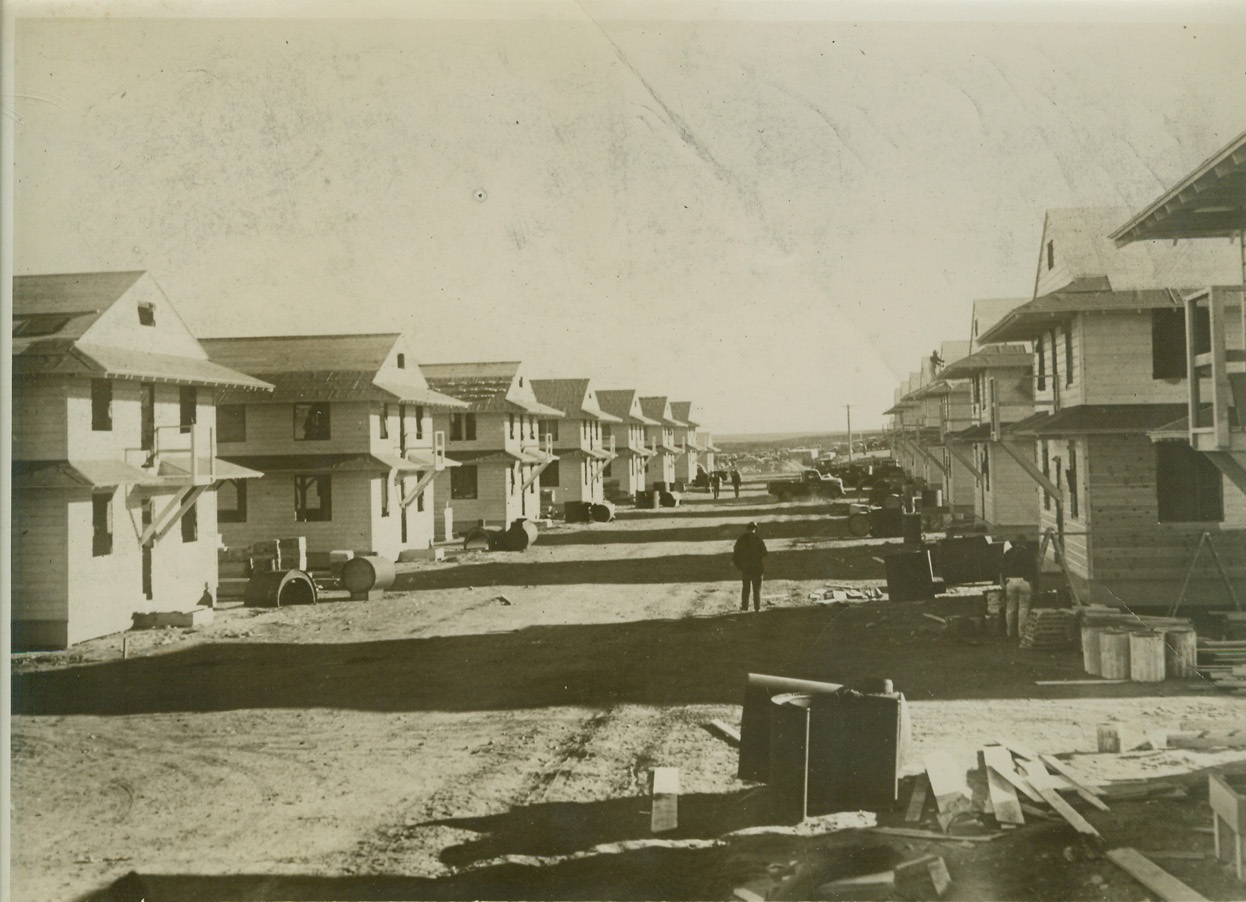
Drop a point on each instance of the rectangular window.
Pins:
(147, 314)
(187, 406)
(1068, 355)
(313, 499)
(384, 422)
(462, 427)
(1047, 473)
(311, 422)
(456, 427)
(101, 405)
(463, 482)
(531, 427)
(1189, 487)
(419, 421)
(550, 476)
(231, 423)
(1070, 476)
(1168, 344)
(1042, 364)
(550, 428)
(190, 524)
(584, 473)
(101, 524)
(384, 480)
(510, 422)
(419, 499)
(977, 389)
(986, 467)
(231, 501)
(1051, 255)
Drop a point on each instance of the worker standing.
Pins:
(1018, 572)
(716, 483)
(749, 558)
(735, 481)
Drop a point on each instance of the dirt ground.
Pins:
(486, 730)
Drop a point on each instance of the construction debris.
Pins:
(1152, 876)
(726, 731)
(665, 799)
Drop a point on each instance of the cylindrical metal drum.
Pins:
(789, 756)
(368, 573)
(1114, 654)
(1180, 652)
(1146, 657)
(275, 588)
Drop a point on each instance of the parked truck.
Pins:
(809, 484)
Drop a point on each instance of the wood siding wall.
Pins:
(495, 504)
(271, 430)
(1118, 363)
(270, 514)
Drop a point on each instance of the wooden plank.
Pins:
(1072, 776)
(726, 731)
(1042, 782)
(1078, 682)
(1018, 749)
(949, 787)
(1003, 796)
(999, 760)
(917, 801)
(665, 807)
(931, 835)
(1153, 877)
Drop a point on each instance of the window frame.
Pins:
(102, 517)
(101, 407)
(187, 408)
(236, 514)
(324, 492)
(190, 524)
(1168, 344)
(301, 428)
(459, 491)
(1189, 488)
(239, 411)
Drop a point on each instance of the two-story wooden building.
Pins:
(114, 457)
(578, 440)
(660, 472)
(1001, 394)
(496, 442)
(686, 437)
(346, 443)
(625, 475)
(1108, 327)
(1210, 203)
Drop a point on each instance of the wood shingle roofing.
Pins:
(682, 411)
(492, 387)
(330, 367)
(656, 407)
(623, 403)
(575, 397)
(1034, 319)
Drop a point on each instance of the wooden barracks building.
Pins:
(114, 457)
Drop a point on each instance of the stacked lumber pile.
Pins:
(1234, 624)
(1223, 662)
(1010, 784)
(1049, 628)
(1103, 615)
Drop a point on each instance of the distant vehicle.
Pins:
(810, 484)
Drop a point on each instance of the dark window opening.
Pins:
(1068, 355)
(1047, 473)
(1070, 478)
(311, 421)
(101, 524)
(510, 425)
(1189, 488)
(402, 361)
(231, 423)
(1051, 255)
(419, 421)
(101, 405)
(1202, 330)
(463, 482)
(550, 428)
(1168, 344)
(384, 421)
(986, 467)
(231, 501)
(550, 476)
(1042, 365)
(419, 499)
(147, 314)
(313, 499)
(190, 524)
(188, 408)
(384, 496)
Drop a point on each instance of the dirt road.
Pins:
(486, 731)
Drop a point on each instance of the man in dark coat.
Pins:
(735, 482)
(749, 558)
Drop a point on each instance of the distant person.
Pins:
(1018, 572)
(716, 483)
(749, 558)
(735, 481)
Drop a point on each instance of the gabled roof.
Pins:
(657, 407)
(986, 313)
(66, 325)
(1210, 202)
(493, 387)
(625, 404)
(575, 397)
(329, 367)
(1034, 319)
(1085, 257)
(682, 411)
(991, 357)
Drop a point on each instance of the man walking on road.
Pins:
(749, 557)
(716, 482)
(735, 481)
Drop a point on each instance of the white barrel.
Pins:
(1090, 649)
(1181, 652)
(1114, 654)
(1146, 657)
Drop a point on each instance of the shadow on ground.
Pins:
(726, 533)
(686, 661)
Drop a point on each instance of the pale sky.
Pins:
(759, 208)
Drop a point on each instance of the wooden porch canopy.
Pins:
(1210, 202)
(1035, 319)
(990, 358)
(1098, 419)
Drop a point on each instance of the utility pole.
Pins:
(848, 407)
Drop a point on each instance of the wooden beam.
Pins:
(965, 460)
(426, 477)
(183, 501)
(999, 759)
(1152, 876)
(949, 786)
(1001, 793)
(931, 835)
(1072, 776)
(917, 801)
(665, 799)
(1043, 784)
(724, 729)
